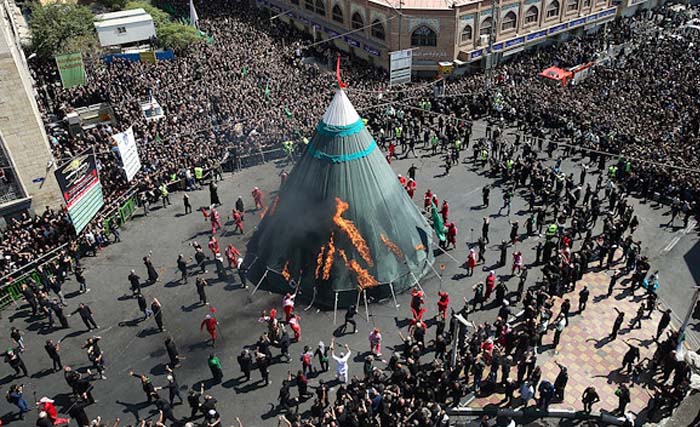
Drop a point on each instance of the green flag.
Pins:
(288, 113)
(71, 69)
(437, 223)
(244, 71)
(267, 91)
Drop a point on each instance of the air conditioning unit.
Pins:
(484, 40)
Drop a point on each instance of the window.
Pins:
(121, 30)
(553, 9)
(571, 5)
(532, 15)
(423, 36)
(320, 7)
(337, 14)
(485, 28)
(509, 21)
(357, 21)
(378, 30)
(586, 4)
(466, 34)
(309, 5)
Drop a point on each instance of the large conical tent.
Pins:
(342, 221)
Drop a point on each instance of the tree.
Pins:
(176, 36)
(61, 28)
(159, 16)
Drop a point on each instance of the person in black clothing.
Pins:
(285, 395)
(143, 306)
(56, 307)
(86, 315)
(12, 358)
(616, 325)
(135, 281)
(186, 202)
(613, 281)
(245, 361)
(173, 387)
(200, 284)
(560, 382)
(150, 270)
(173, 354)
(349, 318)
(77, 412)
(485, 196)
(200, 257)
(583, 299)
(663, 323)
(242, 272)
(485, 230)
(52, 350)
(146, 385)
(80, 278)
(29, 296)
(166, 409)
(157, 310)
(482, 250)
(182, 266)
(263, 364)
(193, 400)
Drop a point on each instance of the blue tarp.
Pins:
(164, 55)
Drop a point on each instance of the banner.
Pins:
(400, 66)
(80, 184)
(128, 152)
(71, 68)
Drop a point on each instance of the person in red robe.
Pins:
(392, 150)
(214, 246)
(427, 198)
(288, 305)
(490, 284)
(47, 405)
(444, 211)
(436, 201)
(451, 235)
(443, 303)
(238, 221)
(215, 218)
(205, 213)
(411, 187)
(211, 323)
(294, 323)
(471, 262)
(283, 178)
(402, 180)
(232, 255)
(257, 198)
(417, 308)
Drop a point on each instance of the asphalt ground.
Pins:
(134, 345)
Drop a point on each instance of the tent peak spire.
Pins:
(340, 112)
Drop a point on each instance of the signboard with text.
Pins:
(82, 192)
(128, 152)
(401, 62)
(71, 69)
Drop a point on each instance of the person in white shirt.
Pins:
(341, 368)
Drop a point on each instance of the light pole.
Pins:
(488, 72)
(684, 326)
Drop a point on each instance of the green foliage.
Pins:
(159, 16)
(61, 28)
(114, 4)
(176, 36)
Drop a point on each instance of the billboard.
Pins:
(71, 68)
(80, 184)
(126, 143)
(400, 64)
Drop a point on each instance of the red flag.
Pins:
(337, 74)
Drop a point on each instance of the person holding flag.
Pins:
(438, 226)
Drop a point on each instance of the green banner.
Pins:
(71, 69)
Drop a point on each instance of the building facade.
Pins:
(439, 31)
(26, 162)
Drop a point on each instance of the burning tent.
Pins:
(342, 222)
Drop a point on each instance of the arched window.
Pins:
(571, 5)
(423, 36)
(532, 15)
(357, 21)
(485, 28)
(337, 14)
(586, 4)
(553, 9)
(466, 34)
(309, 5)
(378, 30)
(320, 7)
(509, 21)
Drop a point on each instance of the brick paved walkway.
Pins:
(586, 352)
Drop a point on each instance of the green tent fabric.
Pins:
(341, 220)
(438, 226)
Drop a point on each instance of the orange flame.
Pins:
(319, 261)
(420, 247)
(392, 246)
(274, 205)
(329, 259)
(364, 278)
(264, 211)
(351, 231)
(285, 272)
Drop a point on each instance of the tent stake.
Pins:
(393, 295)
(259, 282)
(335, 309)
(364, 292)
(432, 267)
(359, 294)
(445, 252)
(416, 283)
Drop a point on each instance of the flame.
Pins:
(264, 211)
(274, 205)
(364, 278)
(351, 231)
(392, 246)
(420, 247)
(319, 261)
(285, 272)
(329, 259)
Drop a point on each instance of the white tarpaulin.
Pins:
(128, 152)
(401, 62)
